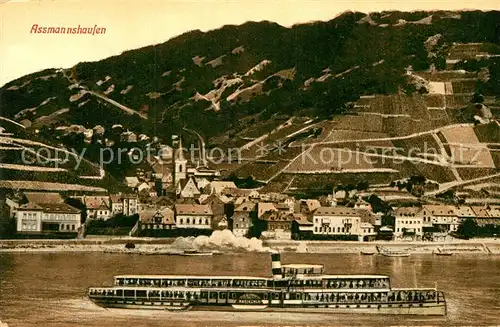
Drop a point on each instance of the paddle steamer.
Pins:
(292, 288)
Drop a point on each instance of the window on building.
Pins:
(181, 221)
(188, 221)
(72, 227)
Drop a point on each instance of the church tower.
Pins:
(180, 163)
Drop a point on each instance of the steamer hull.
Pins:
(427, 309)
(294, 288)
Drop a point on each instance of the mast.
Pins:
(277, 271)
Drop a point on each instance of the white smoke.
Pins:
(223, 240)
(3, 324)
(302, 248)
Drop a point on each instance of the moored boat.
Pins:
(394, 253)
(195, 253)
(292, 288)
(443, 253)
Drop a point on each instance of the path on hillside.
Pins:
(446, 157)
(446, 186)
(103, 97)
(12, 122)
(288, 165)
(391, 138)
(118, 105)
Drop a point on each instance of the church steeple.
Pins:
(180, 163)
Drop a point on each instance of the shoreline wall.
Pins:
(470, 246)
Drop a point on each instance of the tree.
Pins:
(468, 228)
(362, 186)
(477, 98)
(388, 220)
(377, 204)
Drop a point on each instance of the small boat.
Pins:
(367, 253)
(195, 253)
(394, 253)
(444, 253)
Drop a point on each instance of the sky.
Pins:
(132, 24)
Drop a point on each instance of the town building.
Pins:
(368, 232)
(264, 207)
(409, 222)
(241, 221)
(132, 182)
(307, 206)
(444, 218)
(156, 222)
(464, 212)
(218, 187)
(193, 216)
(98, 207)
(494, 215)
(278, 224)
(302, 228)
(337, 221)
(126, 204)
(48, 218)
(187, 188)
(362, 204)
(481, 215)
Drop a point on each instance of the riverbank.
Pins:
(170, 246)
(482, 246)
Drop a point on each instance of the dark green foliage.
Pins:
(388, 220)
(247, 182)
(117, 225)
(468, 228)
(7, 227)
(377, 204)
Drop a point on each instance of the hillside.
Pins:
(383, 77)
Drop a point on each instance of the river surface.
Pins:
(48, 289)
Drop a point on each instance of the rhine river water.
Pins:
(48, 289)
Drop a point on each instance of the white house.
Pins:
(47, 217)
(408, 221)
(127, 204)
(197, 216)
(187, 188)
(336, 221)
(241, 221)
(98, 207)
(367, 231)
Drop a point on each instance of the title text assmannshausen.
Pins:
(90, 30)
